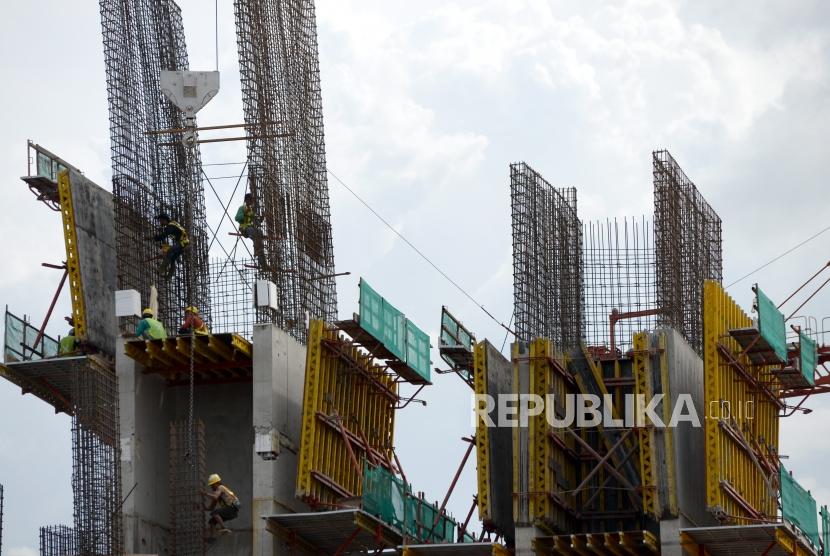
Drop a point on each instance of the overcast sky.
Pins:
(426, 103)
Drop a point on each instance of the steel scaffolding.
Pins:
(687, 242)
(151, 173)
(619, 274)
(547, 259)
(58, 540)
(232, 283)
(187, 475)
(279, 69)
(96, 461)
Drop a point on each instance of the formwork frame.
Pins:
(742, 434)
(688, 247)
(282, 103)
(348, 416)
(547, 259)
(73, 263)
(482, 439)
(152, 173)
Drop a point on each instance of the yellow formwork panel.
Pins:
(482, 438)
(552, 452)
(73, 268)
(741, 420)
(347, 418)
(648, 460)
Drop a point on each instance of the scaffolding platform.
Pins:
(350, 531)
(378, 350)
(773, 539)
(49, 379)
(455, 549)
(634, 543)
(45, 189)
(759, 351)
(218, 358)
(791, 378)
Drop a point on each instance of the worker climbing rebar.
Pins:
(245, 217)
(174, 240)
(223, 506)
(149, 328)
(193, 322)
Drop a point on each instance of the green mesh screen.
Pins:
(386, 496)
(771, 325)
(798, 506)
(825, 530)
(18, 338)
(371, 310)
(394, 333)
(809, 358)
(417, 350)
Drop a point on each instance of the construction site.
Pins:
(287, 404)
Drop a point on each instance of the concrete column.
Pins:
(144, 449)
(278, 377)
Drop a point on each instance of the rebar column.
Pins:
(547, 259)
(280, 74)
(152, 173)
(187, 480)
(58, 540)
(687, 242)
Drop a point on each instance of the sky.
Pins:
(426, 104)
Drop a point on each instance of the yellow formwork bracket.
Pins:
(73, 265)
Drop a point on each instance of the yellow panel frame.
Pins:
(729, 466)
(480, 387)
(73, 265)
(335, 408)
(648, 461)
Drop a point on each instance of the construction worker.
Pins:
(193, 322)
(68, 344)
(223, 506)
(245, 218)
(174, 239)
(149, 328)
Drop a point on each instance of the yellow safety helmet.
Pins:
(148, 312)
(213, 479)
(192, 309)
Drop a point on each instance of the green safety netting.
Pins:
(399, 335)
(453, 334)
(18, 339)
(825, 531)
(809, 358)
(771, 325)
(417, 350)
(386, 496)
(798, 506)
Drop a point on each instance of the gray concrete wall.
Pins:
(93, 208)
(686, 377)
(225, 409)
(500, 440)
(145, 419)
(279, 376)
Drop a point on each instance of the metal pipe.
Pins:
(49, 312)
(804, 284)
(452, 485)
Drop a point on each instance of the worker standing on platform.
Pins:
(149, 328)
(68, 344)
(193, 322)
(223, 506)
(174, 239)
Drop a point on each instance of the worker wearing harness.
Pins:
(245, 217)
(174, 239)
(193, 321)
(223, 506)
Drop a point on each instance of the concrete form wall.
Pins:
(279, 373)
(93, 208)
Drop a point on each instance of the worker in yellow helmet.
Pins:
(223, 506)
(193, 322)
(149, 328)
(174, 239)
(245, 217)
